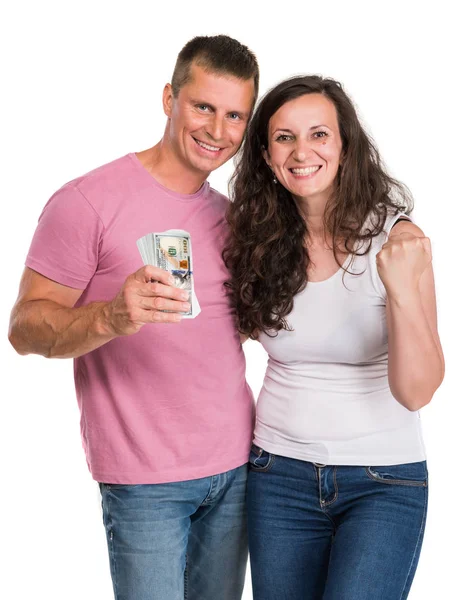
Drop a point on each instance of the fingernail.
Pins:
(186, 305)
(184, 295)
(171, 280)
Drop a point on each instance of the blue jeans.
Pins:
(333, 532)
(178, 540)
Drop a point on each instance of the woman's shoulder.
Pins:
(405, 226)
(378, 226)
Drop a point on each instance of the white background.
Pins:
(82, 84)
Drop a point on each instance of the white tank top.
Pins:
(325, 397)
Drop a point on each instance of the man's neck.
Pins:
(161, 162)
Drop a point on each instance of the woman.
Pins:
(333, 278)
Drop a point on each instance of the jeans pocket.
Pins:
(260, 460)
(411, 474)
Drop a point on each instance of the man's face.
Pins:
(208, 118)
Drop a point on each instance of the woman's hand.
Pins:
(402, 261)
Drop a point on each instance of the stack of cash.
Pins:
(171, 250)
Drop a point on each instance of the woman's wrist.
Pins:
(403, 297)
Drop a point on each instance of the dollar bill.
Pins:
(171, 251)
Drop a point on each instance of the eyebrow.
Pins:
(311, 128)
(238, 112)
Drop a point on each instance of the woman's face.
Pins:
(304, 146)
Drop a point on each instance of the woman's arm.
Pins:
(415, 356)
(246, 336)
(243, 337)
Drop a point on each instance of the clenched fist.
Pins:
(401, 262)
(143, 297)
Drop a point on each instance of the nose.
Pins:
(215, 128)
(301, 151)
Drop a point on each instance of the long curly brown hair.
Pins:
(266, 252)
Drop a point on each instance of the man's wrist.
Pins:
(103, 320)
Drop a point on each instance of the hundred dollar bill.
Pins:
(171, 251)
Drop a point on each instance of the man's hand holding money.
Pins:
(142, 298)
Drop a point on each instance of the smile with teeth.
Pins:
(305, 171)
(207, 146)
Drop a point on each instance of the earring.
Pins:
(274, 176)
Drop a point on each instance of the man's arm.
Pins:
(44, 320)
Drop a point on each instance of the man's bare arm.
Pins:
(44, 320)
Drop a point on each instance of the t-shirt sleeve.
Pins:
(66, 243)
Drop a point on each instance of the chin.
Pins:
(206, 165)
(308, 191)
(212, 165)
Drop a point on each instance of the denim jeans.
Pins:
(178, 540)
(333, 532)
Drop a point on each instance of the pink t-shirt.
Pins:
(169, 403)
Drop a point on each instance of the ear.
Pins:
(267, 157)
(167, 99)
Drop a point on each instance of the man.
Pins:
(166, 413)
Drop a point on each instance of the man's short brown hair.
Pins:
(216, 54)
